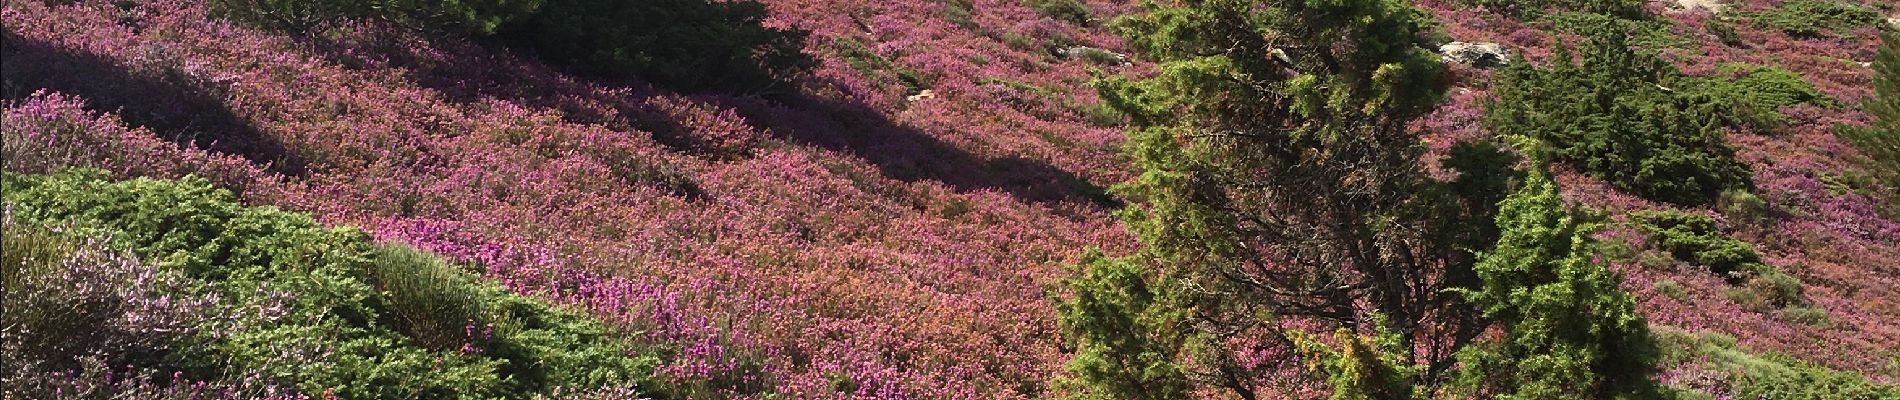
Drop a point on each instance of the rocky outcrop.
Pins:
(1712, 6)
(1476, 55)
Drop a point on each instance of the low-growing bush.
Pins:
(1673, 290)
(1806, 315)
(1695, 238)
(327, 311)
(1613, 115)
(685, 44)
(1745, 375)
(1815, 18)
(1072, 11)
(1743, 206)
(1767, 292)
(70, 302)
(1879, 142)
(1753, 94)
(1621, 8)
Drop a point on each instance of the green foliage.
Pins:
(462, 17)
(1879, 142)
(1571, 332)
(1696, 239)
(1815, 18)
(1806, 315)
(1279, 178)
(1620, 8)
(328, 309)
(1764, 376)
(1645, 33)
(1124, 327)
(685, 44)
(1360, 367)
(1615, 117)
(1753, 94)
(1767, 291)
(1072, 11)
(875, 67)
(1673, 289)
(1743, 206)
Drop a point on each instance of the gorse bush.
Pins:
(1615, 116)
(326, 310)
(684, 44)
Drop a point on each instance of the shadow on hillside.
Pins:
(467, 73)
(163, 101)
(904, 153)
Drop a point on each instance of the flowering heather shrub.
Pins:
(324, 310)
(74, 304)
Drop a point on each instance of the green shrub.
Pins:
(1745, 375)
(1615, 117)
(1645, 33)
(1618, 250)
(1879, 142)
(1743, 206)
(1696, 239)
(1753, 94)
(685, 44)
(1673, 290)
(1724, 31)
(1620, 8)
(1806, 315)
(876, 67)
(328, 309)
(1072, 11)
(427, 299)
(462, 17)
(1815, 18)
(1767, 291)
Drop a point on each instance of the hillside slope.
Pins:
(893, 230)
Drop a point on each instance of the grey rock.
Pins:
(1476, 55)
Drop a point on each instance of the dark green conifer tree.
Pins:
(1880, 142)
(1281, 184)
(1617, 115)
(1570, 330)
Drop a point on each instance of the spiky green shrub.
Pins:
(1072, 11)
(1746, 375)
(1697, 239)
(1879, 142)
(1614, 112)
(1570, 330)
(1815, 18)
(1754, 94)
(329, 310)
(465, 17)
